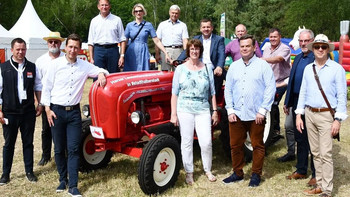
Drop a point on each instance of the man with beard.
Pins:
(54, 42)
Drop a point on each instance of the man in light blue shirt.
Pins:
(320, 123)
(249, 93)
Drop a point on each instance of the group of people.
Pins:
(255, 84)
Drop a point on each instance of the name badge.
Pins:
(29, 75)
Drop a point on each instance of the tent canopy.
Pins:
(4, 33)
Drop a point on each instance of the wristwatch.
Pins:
(339, 119)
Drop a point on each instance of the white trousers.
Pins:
(202, 123)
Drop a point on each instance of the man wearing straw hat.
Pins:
(322, 99)
(54, 41)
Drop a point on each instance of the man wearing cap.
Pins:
(290, 104)
(320, 123)
(106, 31)
(54, 41)
(174, 36)
(278, 56)
(232, 48)
(19, 83)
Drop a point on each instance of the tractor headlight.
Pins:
(86, 110)
(136, 117)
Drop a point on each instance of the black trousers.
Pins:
(26, 124)
(46, 137)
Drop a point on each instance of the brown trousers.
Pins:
(238, 135)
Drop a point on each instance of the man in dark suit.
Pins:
(213, 54)
(291, 100)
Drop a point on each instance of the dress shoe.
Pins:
(286, 157)
(312, 182)
(296, 175)
(31, 177)
(5, 178)
(43, 161)
(313, 191)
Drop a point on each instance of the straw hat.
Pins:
(321, 38)
(54, 36)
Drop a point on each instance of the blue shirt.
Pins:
(333, 82)
(304, 61)
(249, 89)
(192, 89)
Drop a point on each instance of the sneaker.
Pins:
(74, 192)
(232, 179)
(43, 161)
(254, 180)
(5, 178)
(61, 187)
(31, 177)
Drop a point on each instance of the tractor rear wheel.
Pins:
(159, 164)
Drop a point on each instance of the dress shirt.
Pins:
(206, 52)
(20, 85)
(64, 81)
(333, 82)
(298, 76)
(107, 30)
(172, 34)
(282, 69)
(249, 88)
(233, 49)
(44, 62)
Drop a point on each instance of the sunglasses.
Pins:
(53, 41)
(323, 47)
(138, 11)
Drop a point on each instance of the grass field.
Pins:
(120, 177)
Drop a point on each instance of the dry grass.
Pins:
(120, 177)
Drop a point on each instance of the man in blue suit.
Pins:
(213, 54)
(291, 100)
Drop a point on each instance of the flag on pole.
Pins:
(222, 25)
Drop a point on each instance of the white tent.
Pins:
(5, 40)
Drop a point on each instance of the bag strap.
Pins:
(322, 92)
(206, 68)
(143, 24)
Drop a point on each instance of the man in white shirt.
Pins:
(174, 36)
(54, 41)
(106, 31)
(62, 93)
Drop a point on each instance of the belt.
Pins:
(174, 47)
(318, 109)
(106, 46)
(67, 108)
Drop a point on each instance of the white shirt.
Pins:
(206, 52)
(22, 95)
(172, 34)
(64, 81)
(43, 63)
(107, 30)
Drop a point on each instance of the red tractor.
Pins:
(131, 115)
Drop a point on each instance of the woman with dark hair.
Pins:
(193, 85)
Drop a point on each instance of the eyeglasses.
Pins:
(138, 11)
(53, 41)
(304, 41)
(323, 47)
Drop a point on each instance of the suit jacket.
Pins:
(217, 50)
(289, 100)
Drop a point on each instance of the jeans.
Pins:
(66, 134)
(289, 126)
(275, 112)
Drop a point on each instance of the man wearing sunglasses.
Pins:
(54, 41)
(290, 104)
(320, 123)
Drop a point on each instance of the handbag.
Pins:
(132, 40)
(325, 98)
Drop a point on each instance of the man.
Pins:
(62, 92)
(18, 84)
(249, 92)
(291, 100)
(278, 56)
(54, 41)
(106, 31)
(174, 36)
(232, 49)
(213, 54)
(320, 123)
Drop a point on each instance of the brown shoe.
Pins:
(312, 191)
(296, 175)
(312, 182)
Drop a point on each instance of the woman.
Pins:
(190, 108)
(137, 55)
